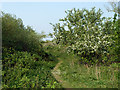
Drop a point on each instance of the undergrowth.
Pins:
(23, 70)
(81, 75)
(84, 76)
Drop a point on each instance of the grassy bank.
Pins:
(83, 76)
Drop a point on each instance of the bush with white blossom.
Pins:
(85, 32)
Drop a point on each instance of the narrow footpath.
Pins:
(56, 73)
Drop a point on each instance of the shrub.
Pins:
(86, 33)
(17, 36)
(23, 70)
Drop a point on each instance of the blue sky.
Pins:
(40, 14)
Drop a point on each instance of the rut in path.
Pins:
(56, 74)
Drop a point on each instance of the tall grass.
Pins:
(84, 76)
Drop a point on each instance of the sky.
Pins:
(39, 15)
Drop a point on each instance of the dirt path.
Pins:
(56, 73)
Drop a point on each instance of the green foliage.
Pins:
(78, 75)
(21, 38)
(25, 64)
(26, 70)
(28, 61)
(17, 36)
(87, 34)
(81, 76)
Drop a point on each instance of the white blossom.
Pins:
(76, 35)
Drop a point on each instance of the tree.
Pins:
(85, 32)
(17, 36)
(115, 7)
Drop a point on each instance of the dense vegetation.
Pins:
(79, 75)
(90, 36)
(92, 44)
(15, 34)
(25, 63)
(86, 42)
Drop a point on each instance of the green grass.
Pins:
(82, 77)
(79, 76)
(21, 70)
